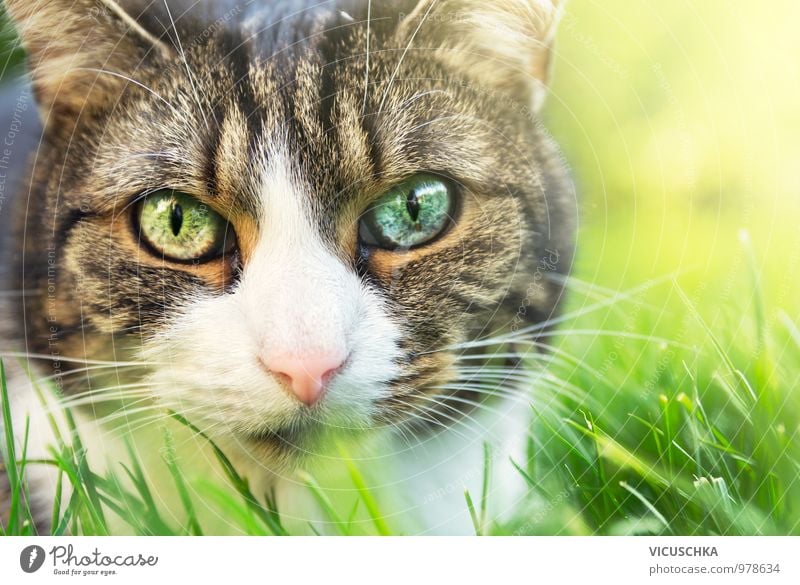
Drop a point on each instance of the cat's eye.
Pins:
(412, 213)
(181, 228)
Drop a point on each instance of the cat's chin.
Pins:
(283, 447)
(287, 449)
(286, 441)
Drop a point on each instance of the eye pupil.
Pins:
(411, 213)
(176, 218)
(177, 226)
(413, 205)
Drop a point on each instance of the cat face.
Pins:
(289, 220)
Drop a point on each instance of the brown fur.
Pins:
(435, 95)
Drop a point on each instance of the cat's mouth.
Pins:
(303, 438)
(285, 439)
(293, 440)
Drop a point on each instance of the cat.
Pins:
(285, 221)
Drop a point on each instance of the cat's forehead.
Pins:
(256, 98)
(267, 28)
(344, 125)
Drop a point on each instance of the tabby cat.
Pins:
(290, 222)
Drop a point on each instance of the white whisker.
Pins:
(62, 358)
(95, 400)
(366, 66)
(403, 56)
(85, 370)
(133, 81)
(189, 73)
(444, 399)
(426, 415)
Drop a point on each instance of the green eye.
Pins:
(410, 214)
(182, 228)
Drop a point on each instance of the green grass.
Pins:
(650, 421)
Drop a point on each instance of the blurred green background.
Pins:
(680, 121)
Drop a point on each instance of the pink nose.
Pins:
(306, 377)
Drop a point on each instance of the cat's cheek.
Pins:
(458, 285)
(117, 294)
(206, 370)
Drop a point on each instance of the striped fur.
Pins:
(223, 99)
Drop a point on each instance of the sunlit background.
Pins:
(680, 121)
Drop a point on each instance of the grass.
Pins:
(649, 421)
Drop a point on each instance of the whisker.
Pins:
(444, 399)
(563, 357)
(124, 429)
(163, 155)
(403, 55)
(366, 66)
(162, 413)
(455, 422)
(596, 291)
(126, 413)
(514, 336)
(489, 375)
(493, 390)
(189, 72)
(61, 358)
(439, 119)
(83, 370)
(133, 81)
(611, 333)
(621, 296)
(487, 356)
(121, 397)
(398, 428)
(534, 393)
(424, 415)
(560, 386)
(422, 94)
(111, 391)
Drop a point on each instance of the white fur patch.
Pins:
(295, 296)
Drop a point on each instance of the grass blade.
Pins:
(366, 495)
(239, 483)
(476, 522)
(10, 456)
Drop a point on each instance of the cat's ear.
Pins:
(81, 53)
(504, 44)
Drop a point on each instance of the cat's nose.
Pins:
(305, 377)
